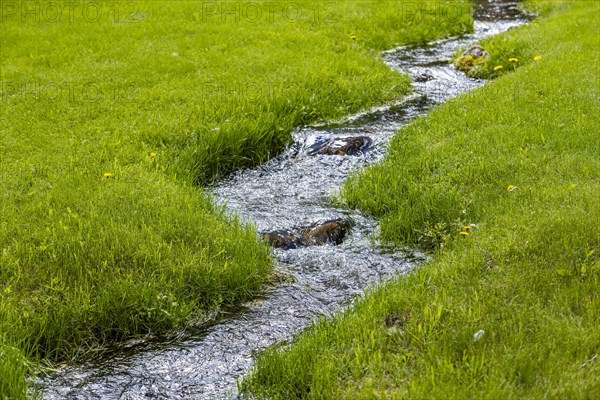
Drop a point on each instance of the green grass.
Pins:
(111, 124)
(519, 159)
(13, 370)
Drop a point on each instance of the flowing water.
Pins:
(290, 191)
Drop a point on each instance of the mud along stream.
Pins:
(289, 193)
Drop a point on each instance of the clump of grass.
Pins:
(508, 307)
(471, 65)
(13, 370)
(178, 258)
(506, 55)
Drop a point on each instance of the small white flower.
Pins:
(175, 55)
(478, 335)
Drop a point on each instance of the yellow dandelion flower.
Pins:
(511, 188)
(513, 60)
(537, 58)
(467, 228)
(107, 175)
(463, 233)
(353, 37)
(498, 67)
(151, 154)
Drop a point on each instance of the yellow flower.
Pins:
(537, 58)
(108, 175)
(151, 154)
(467, 228)
(498, 67)
(463, 233)
(513, 60)
(353, 37)
(511, 188)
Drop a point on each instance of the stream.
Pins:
(291, 191)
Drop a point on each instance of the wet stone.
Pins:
(284, 239)
(476, 52)
(422, 78)
(329, 232)
(348, 146)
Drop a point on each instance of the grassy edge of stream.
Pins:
(502, 185)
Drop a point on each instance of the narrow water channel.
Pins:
(291, 191)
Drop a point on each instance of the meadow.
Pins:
(501, 186)
(114, 117)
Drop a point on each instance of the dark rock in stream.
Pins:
(328, 232)
(347, 146)
(476, 52)
(424, 77)
(284, 239)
